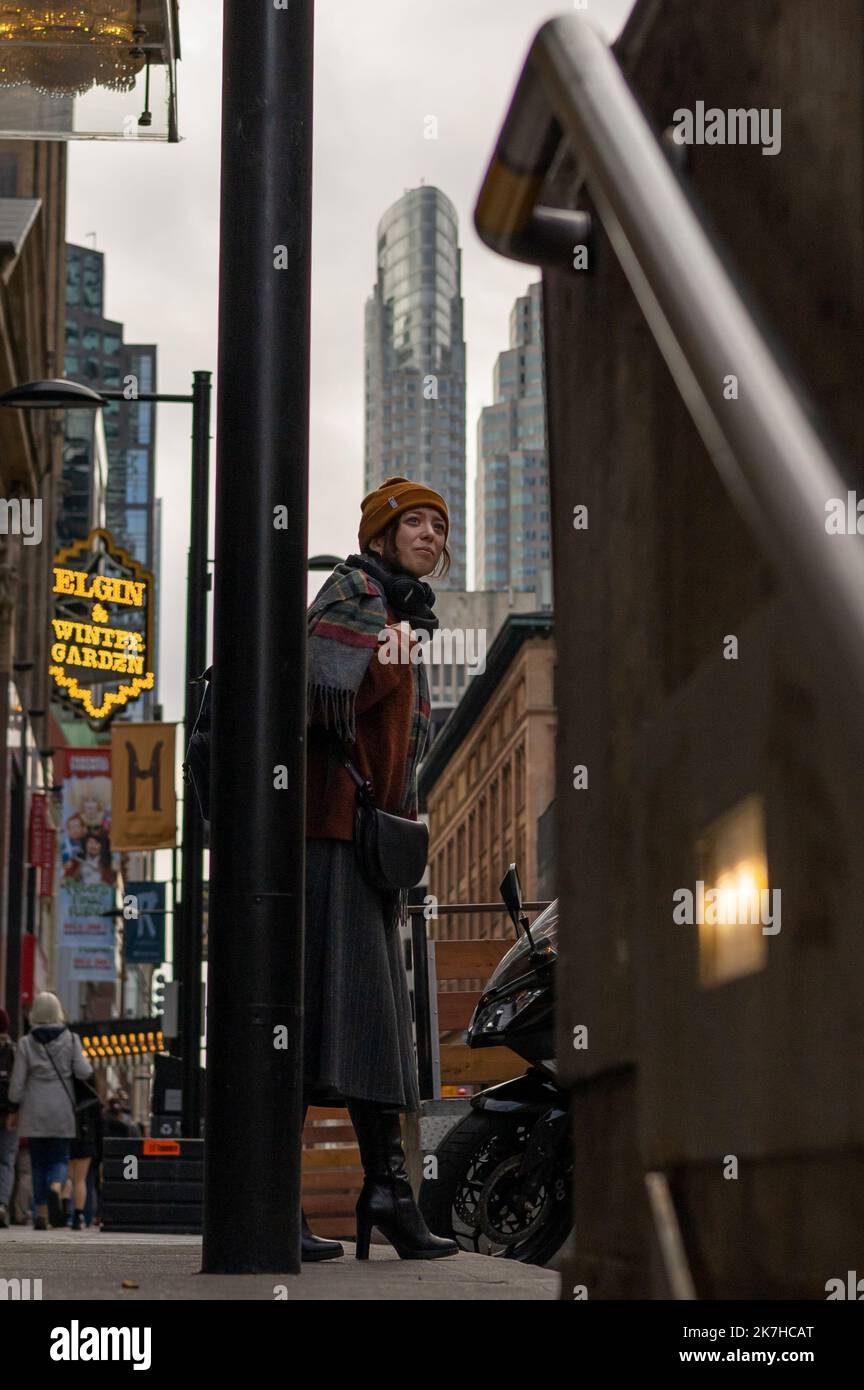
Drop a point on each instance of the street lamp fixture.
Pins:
(56, 394)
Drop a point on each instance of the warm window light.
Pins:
(732, 860)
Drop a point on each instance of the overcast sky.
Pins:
(381, 68)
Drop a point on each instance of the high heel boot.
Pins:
(386, 1199)
(314, 1247)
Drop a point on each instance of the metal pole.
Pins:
(255, 968)
(188, 937)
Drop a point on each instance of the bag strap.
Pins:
(365, 789)
(59, 1077)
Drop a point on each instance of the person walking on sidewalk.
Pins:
(8, 1137)
(42, 1103)
(85, 1151)
(358, 1048)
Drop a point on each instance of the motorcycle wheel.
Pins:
(470, 1199)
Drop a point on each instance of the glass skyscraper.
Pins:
(96, 355)
(415, 358)
(513, 531)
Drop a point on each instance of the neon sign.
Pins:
(102, 629)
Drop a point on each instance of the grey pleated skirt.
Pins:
(357, 1011)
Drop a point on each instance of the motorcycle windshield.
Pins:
(544, 931)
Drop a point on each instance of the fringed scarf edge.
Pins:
(336, 708)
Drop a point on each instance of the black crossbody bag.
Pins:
(391, 850)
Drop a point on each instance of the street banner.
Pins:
(39, 841)
(145, 933)
(47, 869)
(88, 867)
(92, 963)
(144, 802)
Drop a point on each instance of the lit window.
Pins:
(733, 868)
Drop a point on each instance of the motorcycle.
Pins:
(502, 1186)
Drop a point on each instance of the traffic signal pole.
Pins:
(255, 964)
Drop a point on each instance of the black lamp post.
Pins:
(60, 394)
(255, 968)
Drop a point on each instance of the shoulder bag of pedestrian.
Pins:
(83, 1097)
(391, 850)
(7, 1061)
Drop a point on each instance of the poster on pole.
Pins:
(92, 963)
(88, 867)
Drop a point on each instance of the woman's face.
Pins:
(92, 810)
(92, 847)
(419, 540)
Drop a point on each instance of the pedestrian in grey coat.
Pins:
(8, 1137)
(42, 1101)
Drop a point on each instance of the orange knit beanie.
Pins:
(394, 496)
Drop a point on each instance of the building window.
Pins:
(137, 476)
(73, 280)
(92, 287)
(520, 777)
(8, 175)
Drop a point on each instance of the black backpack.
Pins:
(196, 766)
(7, 1061)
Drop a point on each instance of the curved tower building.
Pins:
(415, 358)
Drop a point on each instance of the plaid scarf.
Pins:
(343, 623)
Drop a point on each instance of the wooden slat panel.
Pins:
(316, 1159)
(455, 1008)
(330, 1204)
(334, 1227)
(468, 960)
(462, 1065)
(351, 1180)
(327, 1112)
(329, 1134)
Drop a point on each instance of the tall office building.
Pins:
(96, 355)
(415, 358)
(513, 530)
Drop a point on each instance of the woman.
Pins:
(358, 1049)
(42, 1101)
(84, 1152)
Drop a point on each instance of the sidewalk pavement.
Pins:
(92, 1265)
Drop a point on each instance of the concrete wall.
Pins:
(766, 1067)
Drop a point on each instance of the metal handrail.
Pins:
(447, 909)
(763, 444)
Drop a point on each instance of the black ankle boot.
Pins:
(386, 1200)
(314, 1247)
